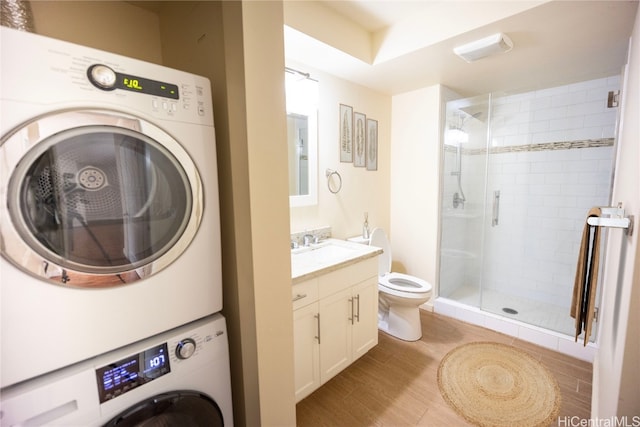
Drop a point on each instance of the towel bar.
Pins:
(617, 219)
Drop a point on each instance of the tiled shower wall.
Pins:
(551, 159)
(544, 199)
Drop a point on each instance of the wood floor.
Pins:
(395, 383)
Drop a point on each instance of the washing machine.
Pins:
(109, 215)
(177, 378)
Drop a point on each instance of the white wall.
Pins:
(415, 169)
(362, 190)
(616, 370)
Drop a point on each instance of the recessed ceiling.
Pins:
(411, 42)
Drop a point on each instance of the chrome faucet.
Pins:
(308, 239)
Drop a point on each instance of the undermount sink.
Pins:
(316, 257)
(321, 252)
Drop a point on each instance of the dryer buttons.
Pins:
(185, 348)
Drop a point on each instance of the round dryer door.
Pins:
(96, 198)
(184, 409)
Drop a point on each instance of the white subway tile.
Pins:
(552, 91)
(567, 123)
(609, 131)
(601, 153)
(539, 126)
(599, 94)
(614, 81)
(579, 165)
(605, 118)
(591, 107)
(551, 136)
(594, 132)
(568, 98)
(553, 113)
(547, 167)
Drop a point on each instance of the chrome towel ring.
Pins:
(329, 174)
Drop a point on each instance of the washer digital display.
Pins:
(119, 377)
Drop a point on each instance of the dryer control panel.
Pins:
(64, 75)
(105, 78)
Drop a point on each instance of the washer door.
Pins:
(96, 198)
(183, 408)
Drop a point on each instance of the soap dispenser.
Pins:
(365, 226)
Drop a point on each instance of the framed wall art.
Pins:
(372, 145)
(346, 133)
(359, 139)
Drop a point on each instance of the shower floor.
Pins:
(544, 315)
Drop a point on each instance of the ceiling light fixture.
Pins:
(497, 43)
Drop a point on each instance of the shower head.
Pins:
(461, 116)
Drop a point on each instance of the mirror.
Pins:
(302, 137)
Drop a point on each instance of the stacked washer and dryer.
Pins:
(110, 274)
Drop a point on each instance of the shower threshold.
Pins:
(513, 326)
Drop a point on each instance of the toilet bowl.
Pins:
(399, 295)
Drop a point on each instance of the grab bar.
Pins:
(496, 208)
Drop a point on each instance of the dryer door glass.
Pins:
(104, 200)
(184, 409)
(97, 199)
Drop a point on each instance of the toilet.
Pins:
(399, 295)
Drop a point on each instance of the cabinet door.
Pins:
(365, 328)
(306, 350)
(335, 334)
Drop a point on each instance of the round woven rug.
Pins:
(492, 384)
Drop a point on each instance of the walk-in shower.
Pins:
(519, 174)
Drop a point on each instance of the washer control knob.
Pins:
(186, 348)
(102, 77)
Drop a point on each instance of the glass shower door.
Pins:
(540, 186)
(463, 199)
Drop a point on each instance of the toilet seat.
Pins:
(409, 286)
(404, 283)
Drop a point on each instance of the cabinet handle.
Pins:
(352, 314)
(358, 308)
(317, 316)
(298, 297)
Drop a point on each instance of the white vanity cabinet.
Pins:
(335, 322)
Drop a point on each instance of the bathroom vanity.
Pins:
(335, 308)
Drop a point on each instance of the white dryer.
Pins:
(109, 215)
(177, 378)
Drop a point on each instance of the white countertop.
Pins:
(326, 256)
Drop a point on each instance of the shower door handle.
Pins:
(496, 208)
